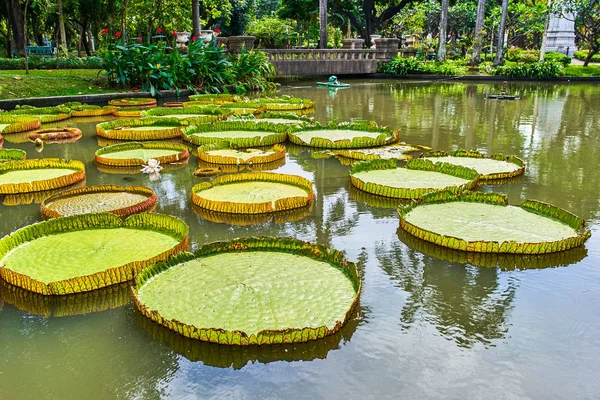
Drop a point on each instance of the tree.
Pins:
(367, 16)
(479, 33)
(196, 18)
(499, 60)
(62, 37)
(587, 23)
(17, 24)
(441, 53)
(323, 24)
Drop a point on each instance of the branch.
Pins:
(390, 12)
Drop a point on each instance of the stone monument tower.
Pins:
(561, 34)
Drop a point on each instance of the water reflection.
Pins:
(465, 304)
(224, 356)
(60, 306)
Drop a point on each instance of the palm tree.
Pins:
(441, 53)
(499, 60)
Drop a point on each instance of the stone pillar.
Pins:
(388, 46)
(561, 34)
(351, 44)
(235, 44)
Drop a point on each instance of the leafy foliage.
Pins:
(272, 33)
(536, 70)
(411, 65)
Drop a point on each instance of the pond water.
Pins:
(432, 323)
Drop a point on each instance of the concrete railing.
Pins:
(307, 62)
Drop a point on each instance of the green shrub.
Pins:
(536, 70)
(155, 67)
(37, 62)
(558, 57)
(272, 33)
(582, 55)
(411, 65)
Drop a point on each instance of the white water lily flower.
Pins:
(152, 167)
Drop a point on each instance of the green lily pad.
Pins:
(484, 222)
(245, 292)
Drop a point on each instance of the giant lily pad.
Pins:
(222, 153)
(18, 123)
(12, 154)
(498, 166)
(37, 175)
(285, 103)
(121, 201)
(420, 176)
(133, 102)
(140, 129)
(344, 136)
(212, 98)
(138, 153)
(84, 110)
(484, 222)
(279, 217)
(45, 114)
(253, 193)
(249, 294)
(89, 251)
(398, 151)
(237, 133)
(193, 115)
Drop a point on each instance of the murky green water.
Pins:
(432, 323)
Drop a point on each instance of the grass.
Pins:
(14, 84)
(580, 70)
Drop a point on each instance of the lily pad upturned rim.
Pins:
(48, 212)
(7, 155)
(278, 217)
(284, 203)
(203, 110)
(476, 154)
(503, 261)
(133, 102)
(100, 155)
(533, 206)
(386, 136)
(414, 164)
(192, 134)
(55, 134)
(42, 184)
(45, 114)
(165, 224)
(203, 154)
(117, 129)
(265, 337)
(19, 123)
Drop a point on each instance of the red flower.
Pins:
(104, 31)
(118, 34)
(174, 33)
(217, 31)
(194, 38)
(159, 31)
(140, 39)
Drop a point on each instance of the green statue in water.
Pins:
(334, 80)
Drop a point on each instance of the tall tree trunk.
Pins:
(196, 18)
(499, 60)
(84, 40)
(37, 35)
(124, 23)
(545, 33)
(25, 37)
(441, 53)
(62, 37)
(15, 16)
(478, 36)
(322, 24)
